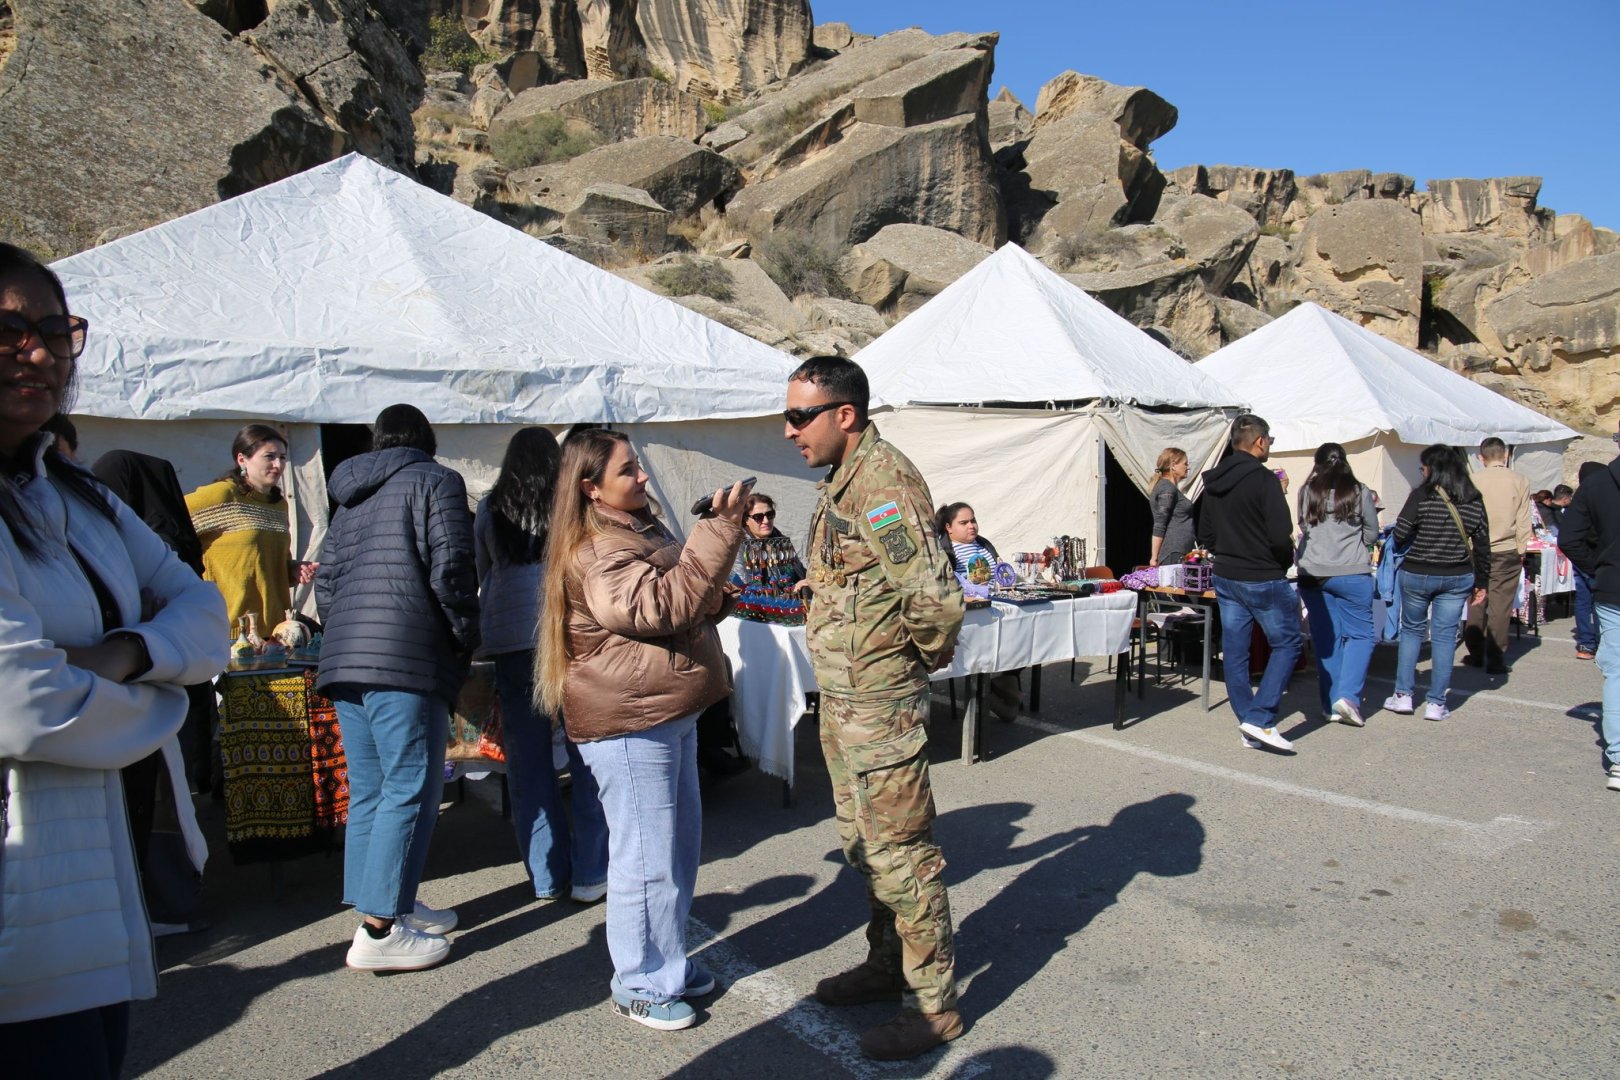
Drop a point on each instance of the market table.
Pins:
(1164, 600)
(771, 673)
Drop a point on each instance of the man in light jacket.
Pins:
(1507, 512)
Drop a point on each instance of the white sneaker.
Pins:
(1614, 777)
(404, 949)
(426, 920)
(1252, 744)
(1267, 735)
(1347, 713)
(1432, 711)
(1399, 703)
(587, 894)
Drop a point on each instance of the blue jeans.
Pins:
(394, 741)
(1586, 629)
(1448, 595)
(1608, 661)
(1342, 631)
(554, 855)
(649, 786)
(1274, 606)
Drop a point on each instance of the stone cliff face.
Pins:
(806, 185)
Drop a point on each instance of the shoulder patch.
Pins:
(899, 546)
(881, 517)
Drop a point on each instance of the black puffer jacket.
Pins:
(397, 589)
(1590, 534)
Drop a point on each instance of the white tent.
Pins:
(1006, 386)
(1317, 377)
(328, 296)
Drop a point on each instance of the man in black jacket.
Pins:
(1246, 528)
(398, 594)
(1590, 536)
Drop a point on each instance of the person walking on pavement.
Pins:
(1246, 529)
(1590, 536)
(399, 598)
(1507, 508)
(885, 611)
(1444, 532)
(1586, 627)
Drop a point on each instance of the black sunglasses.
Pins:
(62, 335)
(798, 418)
(763, 518)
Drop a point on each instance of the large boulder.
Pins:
(1364, 260)
(143, 111)
(626, 217)
(934, 87)
(1565, 326)
(747, 288)
(934, 174)
(1009, 120)
(904, 266)
(854, 322)
(723, 50)
(1142, 115)
(613, 110)
(1263, 194)
(1260, 282)
(1215, 237)
(680, 175)
(782, 111)
(835, 37)
(1502, 206)
(1167, 299)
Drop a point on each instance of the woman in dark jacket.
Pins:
(1447, 540)
(1172, 511)
(399, 601)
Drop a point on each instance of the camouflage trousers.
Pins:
(877, 757)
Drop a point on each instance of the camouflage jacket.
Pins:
(886, 605)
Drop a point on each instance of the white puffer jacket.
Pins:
(73, 926)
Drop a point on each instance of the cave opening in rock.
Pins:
(235, 15)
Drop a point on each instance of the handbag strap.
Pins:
(1451, 508)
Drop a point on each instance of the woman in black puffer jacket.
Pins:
(399, 598)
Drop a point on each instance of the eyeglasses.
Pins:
(61, 335)
(799, 418)
(763, 518)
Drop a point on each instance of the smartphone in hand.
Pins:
(705, 505)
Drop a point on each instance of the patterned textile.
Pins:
(286, 778)
(768, 571)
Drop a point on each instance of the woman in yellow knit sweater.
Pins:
(241, 520)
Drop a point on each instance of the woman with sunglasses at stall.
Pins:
(101, 628)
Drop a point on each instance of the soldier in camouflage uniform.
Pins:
(885, 611)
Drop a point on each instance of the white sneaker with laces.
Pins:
(1614, 777)
(1267, 735)
(426, 920)
(1346, 713)
(1399, 703)
(1433, 711)
(403, 949)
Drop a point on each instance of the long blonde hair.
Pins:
(584, 457)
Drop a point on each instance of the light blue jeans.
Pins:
(1342, 632)
(1274, 606)
(649, 787)
(555, 855)
(1448, 595)
(1608, 660)
(394, 741)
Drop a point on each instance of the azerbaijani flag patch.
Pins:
(883, 516)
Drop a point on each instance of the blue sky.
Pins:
(1432, 90)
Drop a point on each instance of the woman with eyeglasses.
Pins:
(241, 520)
(767, 562)
(629, 655)
(101, 627)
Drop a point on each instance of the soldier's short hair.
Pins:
(839, 378)
(1246, 429)
(1492, 449)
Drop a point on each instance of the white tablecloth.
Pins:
(1557, 574)
(770, 666)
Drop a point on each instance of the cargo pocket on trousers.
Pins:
(893, 799)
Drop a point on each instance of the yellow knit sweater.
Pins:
(246, 548)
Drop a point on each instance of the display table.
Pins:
(771, 673)
(1162, 601)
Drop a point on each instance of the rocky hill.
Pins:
(804, 184)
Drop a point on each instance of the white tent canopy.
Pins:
(1317, 377)
(1050, 375)
(328, 296)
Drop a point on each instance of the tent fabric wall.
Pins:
(1029, 474)
(1137, 436)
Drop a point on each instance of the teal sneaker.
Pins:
(699, 980)
(660, 1015)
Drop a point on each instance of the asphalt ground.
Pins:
(1411, 899)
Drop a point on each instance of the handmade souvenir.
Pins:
(290, 632)
(771, 572)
